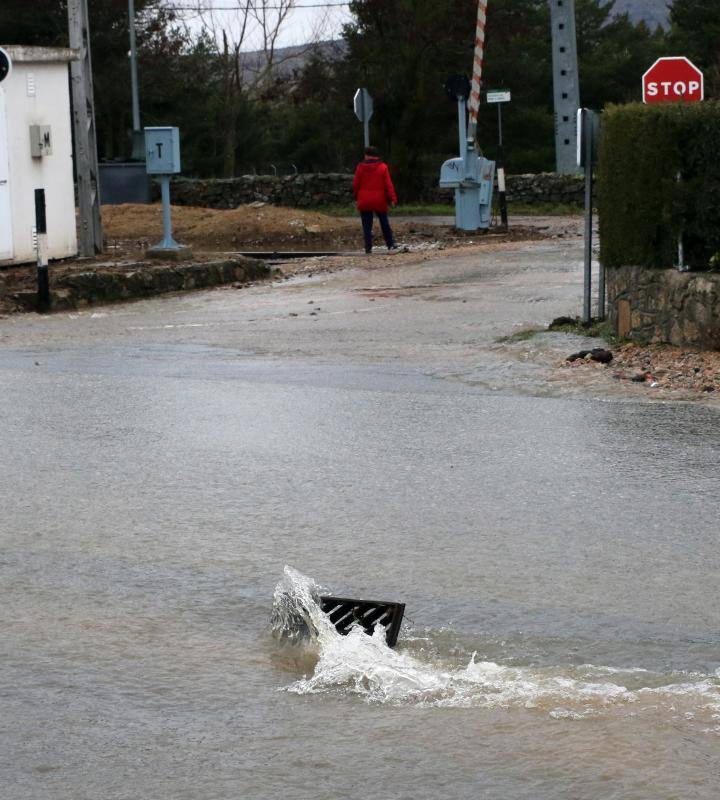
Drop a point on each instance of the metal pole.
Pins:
(680, 246)
(86, 166)
(168, 241)
(501, 172)
(133, 67)
(462, 145)
(365, 120)
(587, 132)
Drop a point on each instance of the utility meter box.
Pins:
(40, 141)
(162, 149)
(37, 191)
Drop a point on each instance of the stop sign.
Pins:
(671, 80)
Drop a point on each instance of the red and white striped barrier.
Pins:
(474, 103)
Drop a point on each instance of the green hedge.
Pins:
(642, 206)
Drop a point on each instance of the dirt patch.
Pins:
(664, 370)
(214, 233)
(256, 225)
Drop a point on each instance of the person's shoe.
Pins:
(393, 247)
(368, 250)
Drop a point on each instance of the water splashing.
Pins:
(362, 665)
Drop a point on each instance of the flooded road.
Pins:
(557, 551)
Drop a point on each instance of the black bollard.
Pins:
(43, 277)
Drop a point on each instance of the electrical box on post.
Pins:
(40, 141)
(162, 150)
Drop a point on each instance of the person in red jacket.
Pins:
(374, 190)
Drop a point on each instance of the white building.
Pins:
(36, 154)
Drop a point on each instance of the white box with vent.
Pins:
(35, 152)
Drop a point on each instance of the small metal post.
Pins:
(168, 241)
(588, 134)
(680, 245)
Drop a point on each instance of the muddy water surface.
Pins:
(164, 461)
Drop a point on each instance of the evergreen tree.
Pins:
(695, 33)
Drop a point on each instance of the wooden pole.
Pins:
(86, 163)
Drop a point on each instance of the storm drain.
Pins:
(345, 612)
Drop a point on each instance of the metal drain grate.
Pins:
(344, 612)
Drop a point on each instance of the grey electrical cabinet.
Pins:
(162, 149)
(472, 178)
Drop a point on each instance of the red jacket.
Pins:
(372, 186)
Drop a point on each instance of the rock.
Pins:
(601, 355)
(578, 355)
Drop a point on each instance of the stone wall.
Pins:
(335, 189)
(546, 187)
(652, 305)
(300, 191)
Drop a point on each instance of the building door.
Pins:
(6, 238)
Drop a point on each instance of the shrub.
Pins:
(643, 207)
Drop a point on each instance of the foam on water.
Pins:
(358, 664)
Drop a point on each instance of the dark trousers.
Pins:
(367, 224)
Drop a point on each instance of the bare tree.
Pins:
(246, 38)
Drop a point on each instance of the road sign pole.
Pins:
(587, 123)
(363, 105)
(502, 201)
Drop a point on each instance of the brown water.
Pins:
(163, 462)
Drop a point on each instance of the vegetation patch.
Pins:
(659, 185)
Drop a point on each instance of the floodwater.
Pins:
(165, 461)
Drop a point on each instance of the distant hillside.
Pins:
(652, 12)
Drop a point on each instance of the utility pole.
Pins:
(566, 84)
(86, 164)
(138, 137)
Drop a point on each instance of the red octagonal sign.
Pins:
(672, 80)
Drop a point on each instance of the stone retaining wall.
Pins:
(335, 189)
(546, 187)
(77, 289)
(652, 305)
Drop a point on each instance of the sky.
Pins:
(309, 20)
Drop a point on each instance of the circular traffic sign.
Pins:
(5, 65)
(673, 80)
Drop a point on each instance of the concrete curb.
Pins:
(98, 286)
